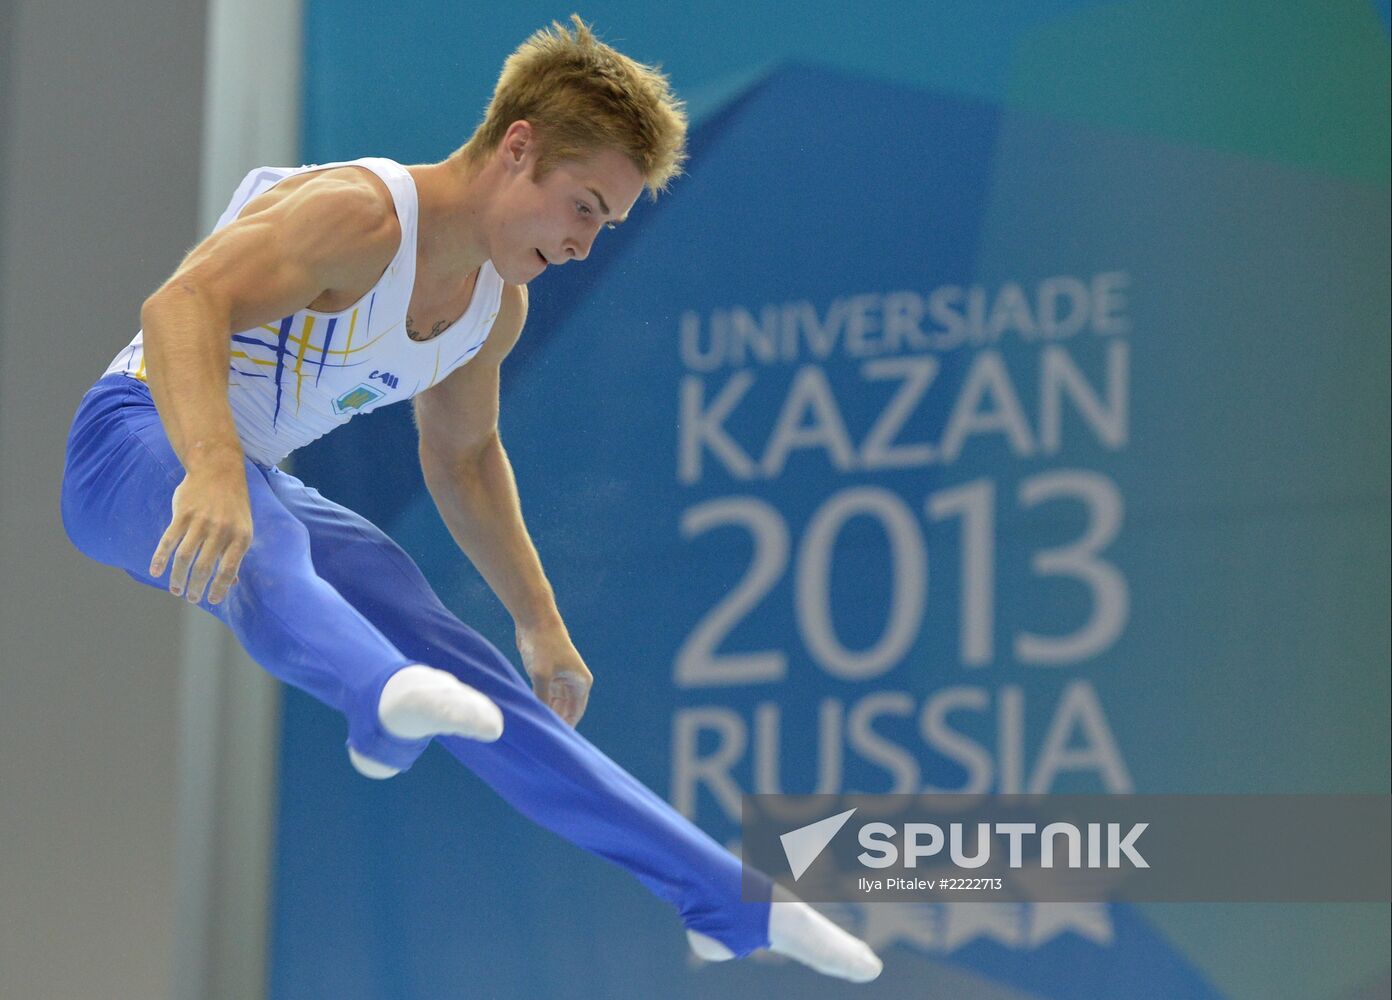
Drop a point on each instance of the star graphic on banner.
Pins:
(918, 925)
(938, 928)
(1088, 920)
(965, 922)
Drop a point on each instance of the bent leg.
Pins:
(540, 765)
(116, 500)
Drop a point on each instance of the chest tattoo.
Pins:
(416, 334)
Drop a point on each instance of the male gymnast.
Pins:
(330, 290)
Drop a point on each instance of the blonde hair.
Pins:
(582, 96)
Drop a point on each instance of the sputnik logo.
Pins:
(805, 844)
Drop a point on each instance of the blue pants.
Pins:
(327, 602)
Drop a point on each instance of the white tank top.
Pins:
(297, 379)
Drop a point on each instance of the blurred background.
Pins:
(1000, 402)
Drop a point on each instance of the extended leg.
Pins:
(120, 477)
(556, 777)
(541, 766)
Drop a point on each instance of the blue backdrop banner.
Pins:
(909, 444)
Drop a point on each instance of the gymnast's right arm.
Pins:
(329, 234)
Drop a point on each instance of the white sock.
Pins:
(420, 701)
(370, 768)
(708, 948)
(801, 933)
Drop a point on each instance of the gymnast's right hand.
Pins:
(210, 530)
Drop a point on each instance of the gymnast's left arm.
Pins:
(471, 481)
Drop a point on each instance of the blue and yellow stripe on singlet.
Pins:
(280, 363)
(328, 339)
(298, 337)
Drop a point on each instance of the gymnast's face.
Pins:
(554, 220)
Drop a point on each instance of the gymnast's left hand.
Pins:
(559, 676)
